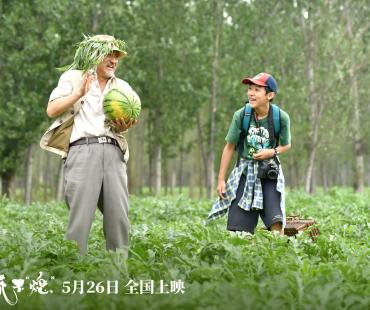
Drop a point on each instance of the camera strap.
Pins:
(258, 126)
(271, 132)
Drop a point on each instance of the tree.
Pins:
(356, 53)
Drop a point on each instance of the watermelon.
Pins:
(120, 104)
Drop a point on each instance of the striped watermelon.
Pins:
(119, 104)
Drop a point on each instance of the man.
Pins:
(252, 191)
(95, 154)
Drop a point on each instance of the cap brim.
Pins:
(121, 53)
(252, 81)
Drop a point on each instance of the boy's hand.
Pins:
(264, 154)
(221, 189)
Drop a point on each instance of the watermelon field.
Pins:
(176, 261)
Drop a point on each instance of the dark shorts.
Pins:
(241, 220)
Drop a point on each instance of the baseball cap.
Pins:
(108, 38)
(262, 79)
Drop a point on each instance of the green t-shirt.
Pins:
(256, 136)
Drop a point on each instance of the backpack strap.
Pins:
(247, 117)
(245, 123)
(276, 116)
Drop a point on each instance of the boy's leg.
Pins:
(239, 219)
(277, 226)
(271, 215)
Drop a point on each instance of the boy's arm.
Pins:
(268, 153)
(225, 160)
(283, 148)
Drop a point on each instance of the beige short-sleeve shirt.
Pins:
(89, 121)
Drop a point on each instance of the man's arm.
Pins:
(225, 160)
(62, 104)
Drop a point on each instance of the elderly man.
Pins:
(94, 153)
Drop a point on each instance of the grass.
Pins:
(170, 242)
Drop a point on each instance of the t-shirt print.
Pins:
(257, 138)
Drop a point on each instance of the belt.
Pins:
(89, 140)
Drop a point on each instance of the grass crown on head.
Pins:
(92, 50)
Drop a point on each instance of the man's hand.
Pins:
(120, 125)
(85, 85)
(264, 154)
(221, 189)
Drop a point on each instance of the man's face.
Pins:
(108, 66)
(257, 96)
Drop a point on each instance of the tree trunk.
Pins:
(291, 171)
(131, 165)
(191, 181)
(312, 155)
(359, 173)
(315, 179)
(324, 175)
(173, 178)
(157, 142)
(165, 169)
(218, 15)
(202, 177)
(309, 68)
(151, 153)
(6, 181)
(157, 168)
(28, 180)
(203, 156)
(40, 173)
(140, 158)
(181, 165)
(95, 20)
(316, 107)
(46, 177)
(343, 174)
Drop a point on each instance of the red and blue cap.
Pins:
(262, 79)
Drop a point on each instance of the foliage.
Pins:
(169, 62)
(26, 54)
(170, 241)
(92, 50)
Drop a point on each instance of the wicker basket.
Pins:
(295, 224)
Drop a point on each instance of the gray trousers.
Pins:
(95, 176)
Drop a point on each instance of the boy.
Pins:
(255, 187)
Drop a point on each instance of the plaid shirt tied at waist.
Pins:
(252, 198)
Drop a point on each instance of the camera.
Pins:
(268, 169)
